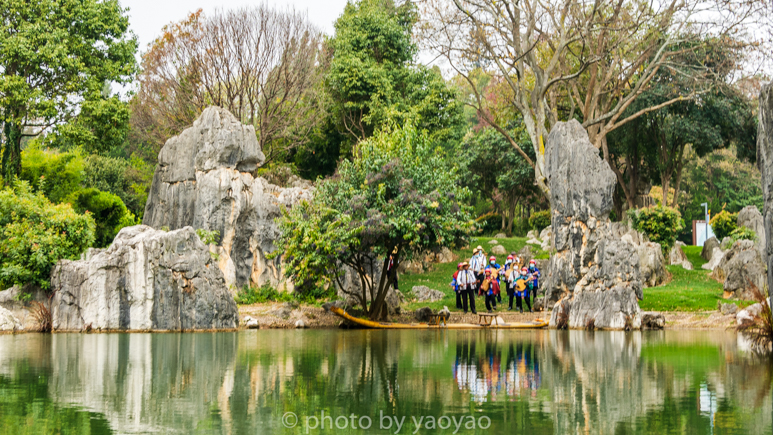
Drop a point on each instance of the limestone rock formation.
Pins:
(765, 162)
(708, 248)
(498, 250)
(748, 314)
(206, 178)
(652, 320)
(146, 280)
(423, 314)
(716, 258)
(546, 236)
(350, 288)
(740, 266)
(750, 217)
(652, 264)
(426, 294)
(678, 257)
(594, 275)
(9, 322)
(19, 301)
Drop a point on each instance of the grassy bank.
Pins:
(439, 276)
(688, 290)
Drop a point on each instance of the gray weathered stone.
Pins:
(500, 236)
(206, 177)
(9, 322)
(546, 235)
(765, 163)
(750, 217)
(652, 320)
(526, 254)
(445, 314)
(301, 324)
(652, 265)
(499, 250)
(708, 248)
(677, 255)
(493, 242)
(716, 258)
(740, 266)
(146, 280)
(445, 256)
(426, 294)
(350, 288)
(595, 274)
(726, 243)
(746, 316)
(19, 301)
(727, 309)
(423, 313)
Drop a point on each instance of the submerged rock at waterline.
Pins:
(593, 277)
(9, 322)
(206, 178)
(146, 280)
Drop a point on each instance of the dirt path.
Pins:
(278, 315)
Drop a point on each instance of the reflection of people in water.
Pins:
(484, 374)
(522, 369)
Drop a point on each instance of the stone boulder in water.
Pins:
(593, 276)
(206, 178)
(146, 280)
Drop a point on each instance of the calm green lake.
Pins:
(497, 382)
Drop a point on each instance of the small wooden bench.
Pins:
(437, 319)
(485, 319)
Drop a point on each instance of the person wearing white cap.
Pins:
(467, 287)
(477, 264)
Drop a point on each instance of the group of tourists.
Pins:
(481, 278)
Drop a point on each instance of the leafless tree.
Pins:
(573, 58)
(260, 63)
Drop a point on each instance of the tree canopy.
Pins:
(54, 56)
(396, 196)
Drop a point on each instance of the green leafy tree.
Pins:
(396, 196)
(35, 234)
(54, 54)
(372, 77)
(495, 170)
(108, 211)
(102, 126)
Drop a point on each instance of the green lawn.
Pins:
(688, 290)
(439, 277)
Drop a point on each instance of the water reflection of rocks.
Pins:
(542, 381)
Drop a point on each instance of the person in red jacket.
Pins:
(455, 285)
(491, 288)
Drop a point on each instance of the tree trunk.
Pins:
(678, 181)
(377, 309)
(11, 160)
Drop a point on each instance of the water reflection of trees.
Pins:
(533, 381)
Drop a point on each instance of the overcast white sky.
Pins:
(147, 17)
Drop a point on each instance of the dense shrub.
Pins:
(108, 211)
(539, 220)
(256, 295)
(660, 224)
(743, 233)
(35, 234)
(128, 179)
(723, 223)
(55, 174)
